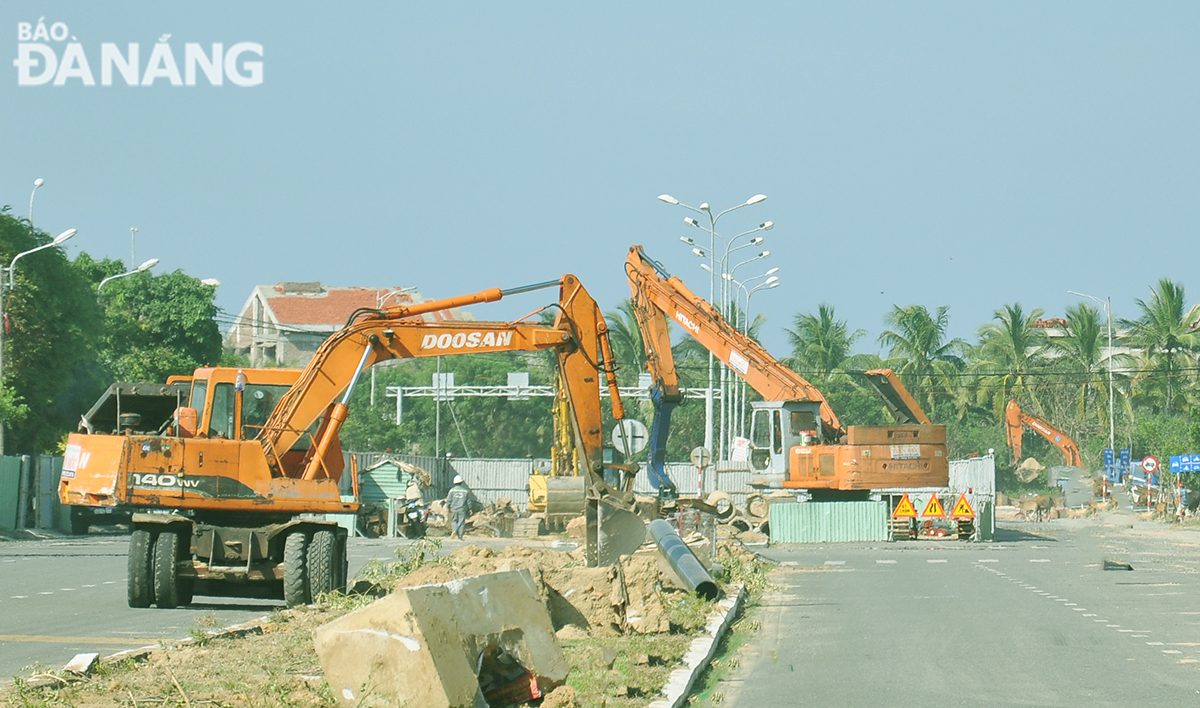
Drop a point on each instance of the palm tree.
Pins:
(1082, 348)
(1010, 349)
(820, 342)
(926, 361)
(626, 339)
(1166, 332)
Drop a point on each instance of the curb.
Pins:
(679, 684)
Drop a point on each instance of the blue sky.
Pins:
(961, 154)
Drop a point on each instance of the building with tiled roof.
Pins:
(285, 323)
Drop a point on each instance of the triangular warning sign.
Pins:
(905, 509)
(934, 508)
(962, 510)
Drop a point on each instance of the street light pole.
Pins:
(11, 277)
(1107, 305)
(379, 300)
(712, 275)
(143, 267)
(36, 184)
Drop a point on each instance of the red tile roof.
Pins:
(332, 306)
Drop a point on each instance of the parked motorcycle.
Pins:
(413, 515)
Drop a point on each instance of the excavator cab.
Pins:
(775, 428)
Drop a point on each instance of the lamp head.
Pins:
(147, 265)
(756, 240)
(772, 281)
(764, 254)
(211, 282)
(756, 199)
(773, 271)
(705, 267)
(687, 240)
(691, 222)
(668, 199)
(38, 182)
(767, 225)
(773, 285)
(699, 252)
(704, 206)
(64, 236)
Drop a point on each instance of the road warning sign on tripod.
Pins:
(934, 508)
(905, 509)
(962, 510)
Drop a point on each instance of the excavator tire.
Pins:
(323, 563)
(141, 568)
(166, 577)
(295, 569)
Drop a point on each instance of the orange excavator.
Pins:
(796, 439)
(233, 480)
(1015, 421)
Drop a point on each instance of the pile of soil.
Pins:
(620, 599)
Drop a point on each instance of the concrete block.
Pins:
(449, 645)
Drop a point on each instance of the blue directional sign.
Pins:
(1185, 463)
(1110, 467)
(1124, 468)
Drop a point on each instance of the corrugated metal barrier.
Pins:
(829, 522)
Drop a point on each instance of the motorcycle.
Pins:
(413, 516)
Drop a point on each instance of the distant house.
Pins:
(285, 323)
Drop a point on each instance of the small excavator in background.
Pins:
(232, 485)
(796, 439)
(1015, 421)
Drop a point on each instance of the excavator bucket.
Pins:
(612, 532)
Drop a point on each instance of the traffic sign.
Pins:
(1150, 463)
(962, 510)
(934, 508)
(630, 436)
(701, 456)
(905, 509)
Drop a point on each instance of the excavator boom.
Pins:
(1015, 421)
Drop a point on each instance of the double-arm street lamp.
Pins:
(8, 280)
(715, 268)
(143, 267)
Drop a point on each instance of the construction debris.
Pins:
(486, 640)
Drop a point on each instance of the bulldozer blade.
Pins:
(612, 532)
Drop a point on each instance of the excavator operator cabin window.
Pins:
(803, 420)
(257, 403)
(760, 430)
(199, 390)
(777, 432)
(220, 424)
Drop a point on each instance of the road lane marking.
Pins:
(988, 560)
(19, 597)
(48, 592)
(1091, 615)
(889, 562)
(89, 586)
(835, 562)
(1171, 651)
(67, 589)
(1126, 630)
(1039, 560)
(1060, 599)
(110, 582)
(76, 640)
(1112, 625)
(935, 560)
(1079, 609)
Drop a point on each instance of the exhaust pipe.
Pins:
(685, 563)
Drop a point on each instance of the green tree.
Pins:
(51, 321)
(821, 342)
(155, 326)
(927, 361)
(1010, 350)
(1166, 332)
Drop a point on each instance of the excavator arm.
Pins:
(579, 339)
(1015, 421)
(659, 296)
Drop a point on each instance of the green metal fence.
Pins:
(829, 522)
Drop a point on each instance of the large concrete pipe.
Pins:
(685, 563)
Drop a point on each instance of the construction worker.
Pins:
(460, 499)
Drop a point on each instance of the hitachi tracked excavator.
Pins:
(1015, 421)
(230, 489)
(796, 440)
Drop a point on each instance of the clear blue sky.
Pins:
(961, 154)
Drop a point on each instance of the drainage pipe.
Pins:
(685, 563)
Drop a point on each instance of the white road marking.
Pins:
(1112, 625)
(1154, 644)
(1126, 630)
(888, 562)
(1061, 599)
(936, 560)
(89, 586)
(835, 562)
(1039, 560)
(67, 589)
(988, 560)
(1090, 615)
(19, 597)
(110, 582)
(48, 592)
(1171, 651)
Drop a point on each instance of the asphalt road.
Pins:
(1030, 620)
(63, 596)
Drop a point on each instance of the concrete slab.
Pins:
(450, 645)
